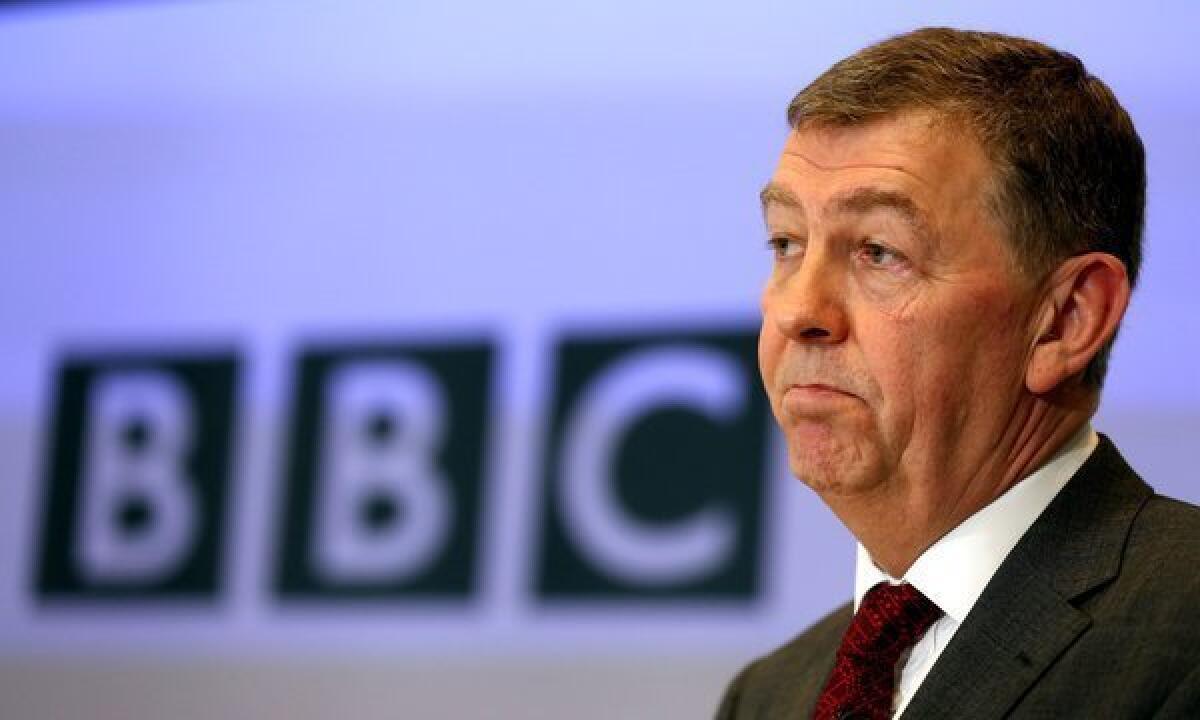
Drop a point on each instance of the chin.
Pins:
(832, 468)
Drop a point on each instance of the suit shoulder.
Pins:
(1175, 512)
(1164, 545)
(784, 682)
(815, 644)
(1169, 529)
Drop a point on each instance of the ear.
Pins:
(1086, 298)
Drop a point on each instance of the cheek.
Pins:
(925, 355)
(894, 360)
(770, 348)
(971, 355)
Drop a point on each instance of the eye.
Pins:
(880, 255)
(784, 247)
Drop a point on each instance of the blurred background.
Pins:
(397, 359)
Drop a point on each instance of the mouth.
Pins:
(811, 398)
(817, 388)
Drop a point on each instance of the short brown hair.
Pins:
(1070, 167)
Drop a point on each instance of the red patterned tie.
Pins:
(890, 620)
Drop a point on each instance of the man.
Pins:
(956, 223)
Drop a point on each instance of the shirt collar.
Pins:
(954, 570)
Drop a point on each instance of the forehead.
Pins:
(910, 157)
(929, 175)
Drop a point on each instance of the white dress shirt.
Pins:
(954, 571)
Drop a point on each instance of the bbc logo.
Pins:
(651, 482)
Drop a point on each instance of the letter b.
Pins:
(137, 477)
(383, 505)
(384, 472)
(138, 514)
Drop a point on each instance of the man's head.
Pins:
(1069, 167)
(956, 220)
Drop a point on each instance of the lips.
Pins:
(812, 398)
(817, 389)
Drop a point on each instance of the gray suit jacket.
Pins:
(1094, 614)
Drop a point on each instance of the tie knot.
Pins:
(890, 620)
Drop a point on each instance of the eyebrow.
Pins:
(857, 201)
(773, 192)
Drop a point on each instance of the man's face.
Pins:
(896, 328)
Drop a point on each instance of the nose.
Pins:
(807, 304)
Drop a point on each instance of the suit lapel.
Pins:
(1025, 619)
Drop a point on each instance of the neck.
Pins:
(898, 521)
